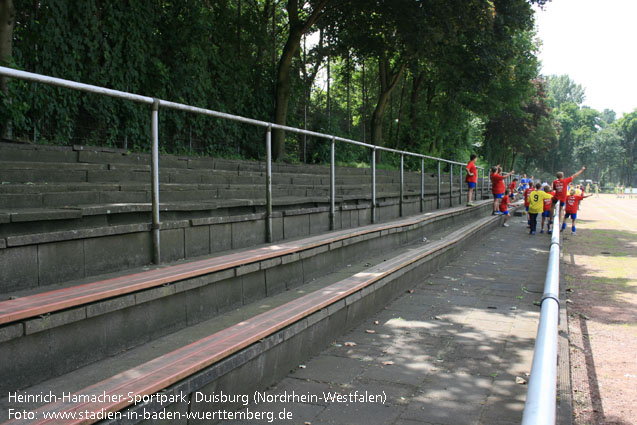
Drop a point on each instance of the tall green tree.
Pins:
(601, 151)
(564, 90)
(7, 22)
(628, 128)
(300, 21)
(420, 75)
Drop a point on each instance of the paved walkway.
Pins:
(447, 353)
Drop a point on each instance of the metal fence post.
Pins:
(332, 184)
(450, 185)
(373, 185)
(460, 186)
(402, 184)
(422, 185)
(268, 184)
(438, 189)
(155, 181)
(480, 184)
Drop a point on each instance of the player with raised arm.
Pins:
(497, 186)
(560, 186)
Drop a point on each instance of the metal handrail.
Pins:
(540, 407)
(59, 82)
(159, 103)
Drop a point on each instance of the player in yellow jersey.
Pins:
(536, 205)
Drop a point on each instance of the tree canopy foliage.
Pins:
(585, 136)
(441, 77)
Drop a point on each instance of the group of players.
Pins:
(538, 199)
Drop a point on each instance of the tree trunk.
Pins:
(388, 81)
(308, 81)
(526, 164)
(7, 21)
(414, 97)
(329, 103)
(364, 106)
(390, 137)
(239, 30)
(282, 96)
(400, 111)
(274, 47)
(631, 163)
(415, 94)
(349, 110)
(283, 83)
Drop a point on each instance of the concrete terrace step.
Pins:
(78, 173)
(51, 231)
(45, 194)
(118, 158)
(44, 187)
(74, 205)
(167, 298)
(33, 163)
(16, 215)
(274, 340)
(12, 197)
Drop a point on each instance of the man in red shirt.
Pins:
(472, 178)
(560, 186)
(497, 186)
(572, 205)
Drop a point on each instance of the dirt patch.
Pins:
(601, 280)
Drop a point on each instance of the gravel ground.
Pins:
(601, 281)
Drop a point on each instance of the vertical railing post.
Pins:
(268, 184)
(450, 185)
(402, 184)
(155, 181)
(373, 185)
(460, 186)
(332, 184)
(482, 185)
(439, 188)
(422, 185)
